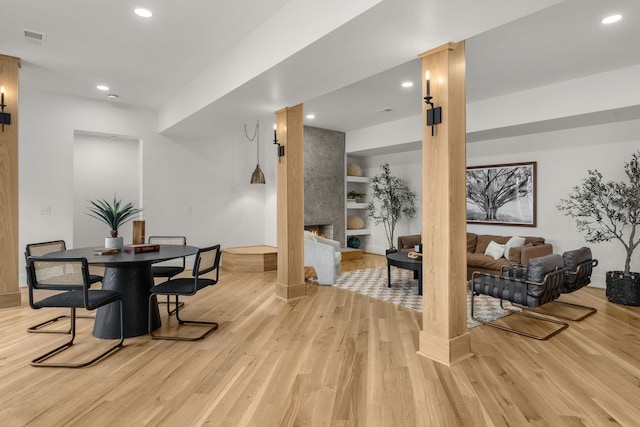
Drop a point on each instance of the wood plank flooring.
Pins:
(332, 358)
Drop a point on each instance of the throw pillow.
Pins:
(513, 242)
(310, 236)
(494, 250)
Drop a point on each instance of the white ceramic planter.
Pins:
(113, 242)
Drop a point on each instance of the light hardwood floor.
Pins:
(332, 358)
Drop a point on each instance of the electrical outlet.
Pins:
(188, 210)
(45, 210)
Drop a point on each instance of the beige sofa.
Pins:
(477, 246)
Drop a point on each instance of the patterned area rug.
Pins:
(404, 292)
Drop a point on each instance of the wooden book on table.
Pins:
(138, 249)
(105, 251)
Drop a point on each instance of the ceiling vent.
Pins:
(34, 37)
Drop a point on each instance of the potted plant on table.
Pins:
(607, 211)
(114, 215)
(391, 199)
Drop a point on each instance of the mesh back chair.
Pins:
(532, 286)
(44, 248)
(165, 270)
(207, 260)
(70, 276)
(579, 265)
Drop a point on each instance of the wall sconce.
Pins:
(257, 177)
(5, 118)
(434, 115)
(275, 141)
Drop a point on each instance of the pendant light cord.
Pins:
(255, 134)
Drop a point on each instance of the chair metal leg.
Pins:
(37, 329)
(38, 361)
(214, 325)
(549, 311)
(168, 303)
(520, 313)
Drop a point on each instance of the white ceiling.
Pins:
(345, 77)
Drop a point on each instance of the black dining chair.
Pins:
(44, 248)
(70, 277)
(207, 261)
(167, 270)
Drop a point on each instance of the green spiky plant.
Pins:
(113, 214)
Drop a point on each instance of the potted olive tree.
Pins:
(391, 199)
(607, 211)
(114, 215)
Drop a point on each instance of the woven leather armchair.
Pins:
(532, 286)
(579, 265)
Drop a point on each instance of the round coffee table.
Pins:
(402, 260)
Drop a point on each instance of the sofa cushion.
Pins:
(494, 250)
(485, 262)
(530, 240)
(485, 239)
(540, 266)
(472, 239)
(513, 242)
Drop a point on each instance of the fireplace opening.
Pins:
(322, 230)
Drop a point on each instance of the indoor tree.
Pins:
(609, 210)
(391, 199)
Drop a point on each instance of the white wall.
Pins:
(103, 167)
(563, 158)
(408, 166)
(211, 177)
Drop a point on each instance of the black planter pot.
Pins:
(390, 251)
(623, 289)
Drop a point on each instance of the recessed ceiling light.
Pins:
(407, 84)
(311, 116)
(145, 13)
(611, 19)
(102, 87)
(112, 96)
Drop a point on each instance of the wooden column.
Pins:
(290, 205)
(444, 336)
(9, 292)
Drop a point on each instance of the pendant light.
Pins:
(257, 177)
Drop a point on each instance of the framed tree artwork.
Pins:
(502, 194)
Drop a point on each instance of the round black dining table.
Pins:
(131, 275)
